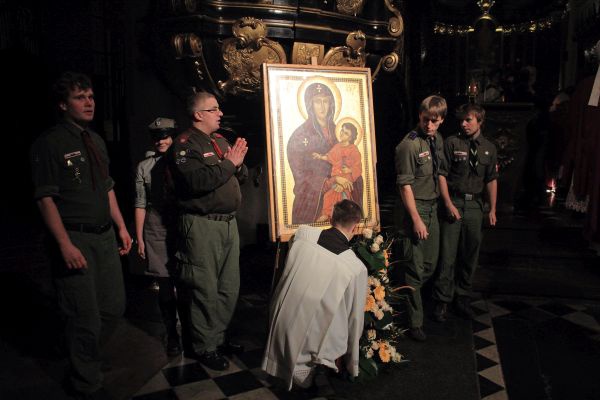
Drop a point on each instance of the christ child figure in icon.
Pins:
(345, 160)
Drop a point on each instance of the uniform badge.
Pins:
(487, 152)
(71, 155)
(460, 153)
(210, 153)
(423, 154)
(182, 153)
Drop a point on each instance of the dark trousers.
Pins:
(419, 257)
(459, 252)
(89, 299)
(208, 255)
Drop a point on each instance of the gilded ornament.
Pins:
(352, 55)
(244, 54)
(350, 7)
(302, 53)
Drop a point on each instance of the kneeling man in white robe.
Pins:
(317, 310)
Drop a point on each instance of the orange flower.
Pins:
(384, 353)
(370, 304)
(379, 292)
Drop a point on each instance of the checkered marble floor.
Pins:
(489, 362)
(187, 379)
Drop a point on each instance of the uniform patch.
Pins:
(209, 154)
(71, 155)
(182, 153)
(460, 153)
(184, 137)
(423, 154)
(413, 135)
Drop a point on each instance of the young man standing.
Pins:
(78, 205)
(471, 169)
(419, 157)
(207, 172)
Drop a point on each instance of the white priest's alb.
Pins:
(317, 311)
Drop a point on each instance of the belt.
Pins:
(466, 196)
(88, 228)
(217, 217)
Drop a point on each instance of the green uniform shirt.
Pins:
(460, 176)
(61, 170)
(205, 183)
(414, 165)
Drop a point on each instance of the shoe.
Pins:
(321, 382)
(463, 307)
(417, 334)
(230, 348)
(173, 346)
(213, 360)
(440, 313)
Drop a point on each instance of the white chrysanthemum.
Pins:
(397, 358)
(378, 239)
(367, 233)
(375, 345)
(369, 353)
(388, 326)
(374, 248)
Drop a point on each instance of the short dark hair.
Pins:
(434, 106)
(194, 99)
(470, 108)
(346, 213)
(68, 82)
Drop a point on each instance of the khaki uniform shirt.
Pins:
(60, 167)
(205, 183)
(414, 165)
(460, 176)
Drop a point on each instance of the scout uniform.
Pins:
(417, 163)
(208, 194)
(61, 169)
(154, 195)
(465, 185)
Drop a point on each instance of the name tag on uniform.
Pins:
(423, 154)
(73, 154)
(460, 153)
(210, 153)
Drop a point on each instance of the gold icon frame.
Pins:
(285, 112)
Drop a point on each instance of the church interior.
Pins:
(533, 66)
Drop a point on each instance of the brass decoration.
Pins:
(302, 53)
(395, 23)
(531, 26)
(244, 54)
(188, 46)
(390, 61)
(351, 55)
(350, 7)
(183, 6)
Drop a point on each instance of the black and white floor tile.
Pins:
(525, 317)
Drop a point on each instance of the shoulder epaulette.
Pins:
(413, 135)
(184, 137)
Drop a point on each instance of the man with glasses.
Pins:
(206, 172)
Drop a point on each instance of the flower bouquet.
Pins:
(380, 336)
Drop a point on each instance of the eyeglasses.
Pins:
(211, 110)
